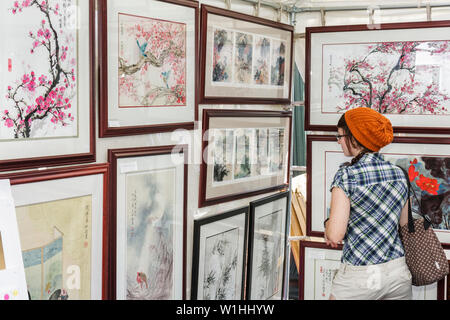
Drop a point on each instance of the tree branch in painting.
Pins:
(390, 79)
(161, 45)
(35, 97)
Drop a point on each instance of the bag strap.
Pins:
(426, 219)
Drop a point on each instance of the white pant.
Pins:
(385, 281)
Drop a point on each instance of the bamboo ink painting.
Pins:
(221, 266)
(40, 85)
(152, 62)
(150, 234)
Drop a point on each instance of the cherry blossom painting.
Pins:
(152, 62)
(398, 69)
(391, 77)
(40, 87)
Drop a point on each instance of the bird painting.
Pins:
(142, 48)
(165, 76)
(142, 279)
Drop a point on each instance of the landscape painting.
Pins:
(150, 199)
(243, 58)
(222, 56)
(261, 65)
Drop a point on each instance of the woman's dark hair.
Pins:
(342, 124)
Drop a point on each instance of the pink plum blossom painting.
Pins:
(390, 77)
(40, 85)
(152, 62)
(398, 69)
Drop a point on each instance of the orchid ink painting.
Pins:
(152, 62)
(40, 84)
(391, 77)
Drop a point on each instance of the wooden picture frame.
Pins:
(324, 155)
(149, 188)
(48, 117)
(265, 272)
(341, 74)
(162, 79)
(317, 255)
(55, 210)
(244, 153)
(228, 232)
(269, 79)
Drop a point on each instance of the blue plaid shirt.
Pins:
(377, 191)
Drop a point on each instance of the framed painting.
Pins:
(244, 59)
(62, 216)
(148, 66)
(267, 247)
(398, 69)
(425, 159)
(219, 256)
(319, 264)
(148, 222)
(245, 153)
(47, 113)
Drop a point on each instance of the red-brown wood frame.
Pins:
(205, 10)
(113, 156)
(329, 138)
(71, 172)
(104, 129)
(67, 159)
(348, 28)
(323, 245)
(216, 113)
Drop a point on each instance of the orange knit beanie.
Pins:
(370, 128)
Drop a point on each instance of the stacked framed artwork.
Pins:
(119, 230)
(240, 254)
(397, 69)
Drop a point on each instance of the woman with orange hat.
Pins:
(368, 201)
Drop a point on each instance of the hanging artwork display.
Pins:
(245, 152)
(267, 247)
(47, 113)
(397, 69)
(245, 59)
(320, 263)
(13, 285)
(148, 222)
(62, 216)
(219, 255)
(148, 66)
(425, 159)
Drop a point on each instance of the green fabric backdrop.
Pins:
(299, 136)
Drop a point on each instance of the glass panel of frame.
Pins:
(245, 152)
(397, 69)
(426, 159)
(61, 215)
(319, 264)
(267, 247)
(220, 250)
(47, 88)
(148, 225)
(148, 66)
(245, 59)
